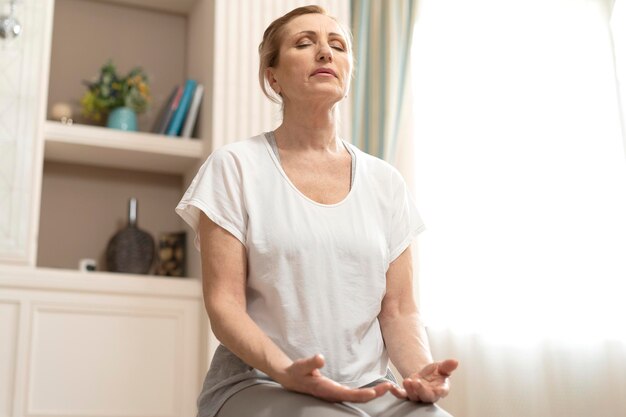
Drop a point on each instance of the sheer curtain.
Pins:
(521, 180)
(381, 117)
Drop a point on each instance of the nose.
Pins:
(325, 53)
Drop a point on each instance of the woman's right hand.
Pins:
(304, 376)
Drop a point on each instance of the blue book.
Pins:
(163, 121)
(178, 118)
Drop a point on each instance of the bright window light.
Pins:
(521, 173)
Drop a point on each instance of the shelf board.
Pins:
(101, 146)
(183, 7)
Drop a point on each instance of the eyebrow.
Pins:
(313, 33)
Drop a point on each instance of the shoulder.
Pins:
(235, 158)
(376, 169)
(241, 148)
(240, 153)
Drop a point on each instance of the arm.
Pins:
(223, 285)
(406, 339)
(224, 266)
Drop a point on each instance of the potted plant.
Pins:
(116, 99)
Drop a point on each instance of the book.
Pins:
(192, 115)
(176, 123)
(168, 111)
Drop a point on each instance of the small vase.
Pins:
(123, 118)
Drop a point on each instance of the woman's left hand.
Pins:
(428, 385)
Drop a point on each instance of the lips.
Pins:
(324, 71)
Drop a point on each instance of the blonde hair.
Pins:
(269, 48)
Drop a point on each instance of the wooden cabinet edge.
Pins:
(19, 277)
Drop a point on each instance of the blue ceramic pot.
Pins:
(123, 118)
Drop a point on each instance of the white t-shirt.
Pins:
(316, 272)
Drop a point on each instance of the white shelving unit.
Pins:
(89, 172)
(97, 343)
(105, 147)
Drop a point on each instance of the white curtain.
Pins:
(618, 34)
(521, 180)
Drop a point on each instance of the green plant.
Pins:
(110, 91)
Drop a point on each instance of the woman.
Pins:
(306, 264)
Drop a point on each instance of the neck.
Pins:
(308, 129)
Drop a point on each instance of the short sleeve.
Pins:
(406, 222)
(217, 191)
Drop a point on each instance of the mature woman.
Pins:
(306, 263)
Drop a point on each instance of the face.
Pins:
(314, 61)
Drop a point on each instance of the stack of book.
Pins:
(180, 113)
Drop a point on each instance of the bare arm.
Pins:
(403, 331)
(224, 266)
(406, 339)
(224, 288)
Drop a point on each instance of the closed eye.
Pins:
(337, 45)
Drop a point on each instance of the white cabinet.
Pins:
(95, 345)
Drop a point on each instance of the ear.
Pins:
(271, 79)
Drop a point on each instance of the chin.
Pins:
(331, 94)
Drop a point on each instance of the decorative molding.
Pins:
(23, 86)
(9, 328)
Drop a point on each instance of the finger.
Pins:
(448, 366)
(420, 390)
(410, 386)
(318, 361)
(310, 365)
(425, 392)
(356, 395)
(360, 395)
(363, 394)
(440, 392)
(382, 389)
(333, 391)
(398, 392)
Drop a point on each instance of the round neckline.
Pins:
(279, 166)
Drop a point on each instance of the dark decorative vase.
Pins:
(131, 250)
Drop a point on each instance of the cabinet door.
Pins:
(112, 356)
(74, 345)
(24, 63)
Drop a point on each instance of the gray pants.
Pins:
(266, 400)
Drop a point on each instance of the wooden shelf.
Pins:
(169, 6)
(101, 146)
